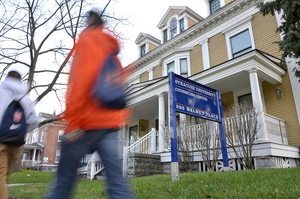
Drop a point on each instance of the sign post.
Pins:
(173, 130)
(190, 97)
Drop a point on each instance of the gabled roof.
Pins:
(143, 36)
(181, 10)
(45, 116)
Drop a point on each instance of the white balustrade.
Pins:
(146, 144)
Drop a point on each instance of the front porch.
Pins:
(32, 154)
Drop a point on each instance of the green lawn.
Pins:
(269, 183)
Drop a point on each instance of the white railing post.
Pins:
(92, 173)
(153, 140)
(125, 161)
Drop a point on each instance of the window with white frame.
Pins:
(60, 134)
(183, 66)
(181, 22)
(165, 35)
(245, 99)
(173, 27)
(143, 50)
(179, 64)
(35, 135)
(57, 157)
(42, 136)
(171, 67)
(214, 5)
(241, 43)
(239, 38)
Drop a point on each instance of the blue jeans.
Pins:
(105, 143)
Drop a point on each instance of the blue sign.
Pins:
(192, 98)
(196, 99)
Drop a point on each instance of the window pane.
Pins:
(214, 6)
(183, 66)
(143, 50)
(173, 24)
(165, 36)
(173, 27)
(173, 33)
(171, 67)
(133, 133)
(181, 25)
(241, 43)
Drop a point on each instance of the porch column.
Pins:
(162, 121)
(257, 103)
(33, 157)
(39, 155)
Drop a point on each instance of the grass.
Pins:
(263, 183)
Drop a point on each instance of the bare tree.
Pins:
(208, 142)
(184, 144)
(38, 37)
(242, 131)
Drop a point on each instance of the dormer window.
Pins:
(173, 27)
(143, 50)
(214, 6)
(181, 25)
(165, 39)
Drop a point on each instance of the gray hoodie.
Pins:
(12, 89)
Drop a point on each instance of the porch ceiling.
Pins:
(147, 109)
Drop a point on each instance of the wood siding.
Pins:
(157, 72)
(217, 49)
(191, 22)
(171, 15)
(227, 102)
(196, 60)
(144, 77)
(151, 47)
(264, 34)
(227, 1)
(283, 108)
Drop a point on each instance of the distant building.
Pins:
(42, 147)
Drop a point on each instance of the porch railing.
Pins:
(30, 162)
(146, 144)
(276, 129)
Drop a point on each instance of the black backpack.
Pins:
(13, 125)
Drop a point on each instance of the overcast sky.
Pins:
(145, 15)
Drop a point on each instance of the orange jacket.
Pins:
(81, 111)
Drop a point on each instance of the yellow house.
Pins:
(230, 50)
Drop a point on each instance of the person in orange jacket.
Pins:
(91, 127)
